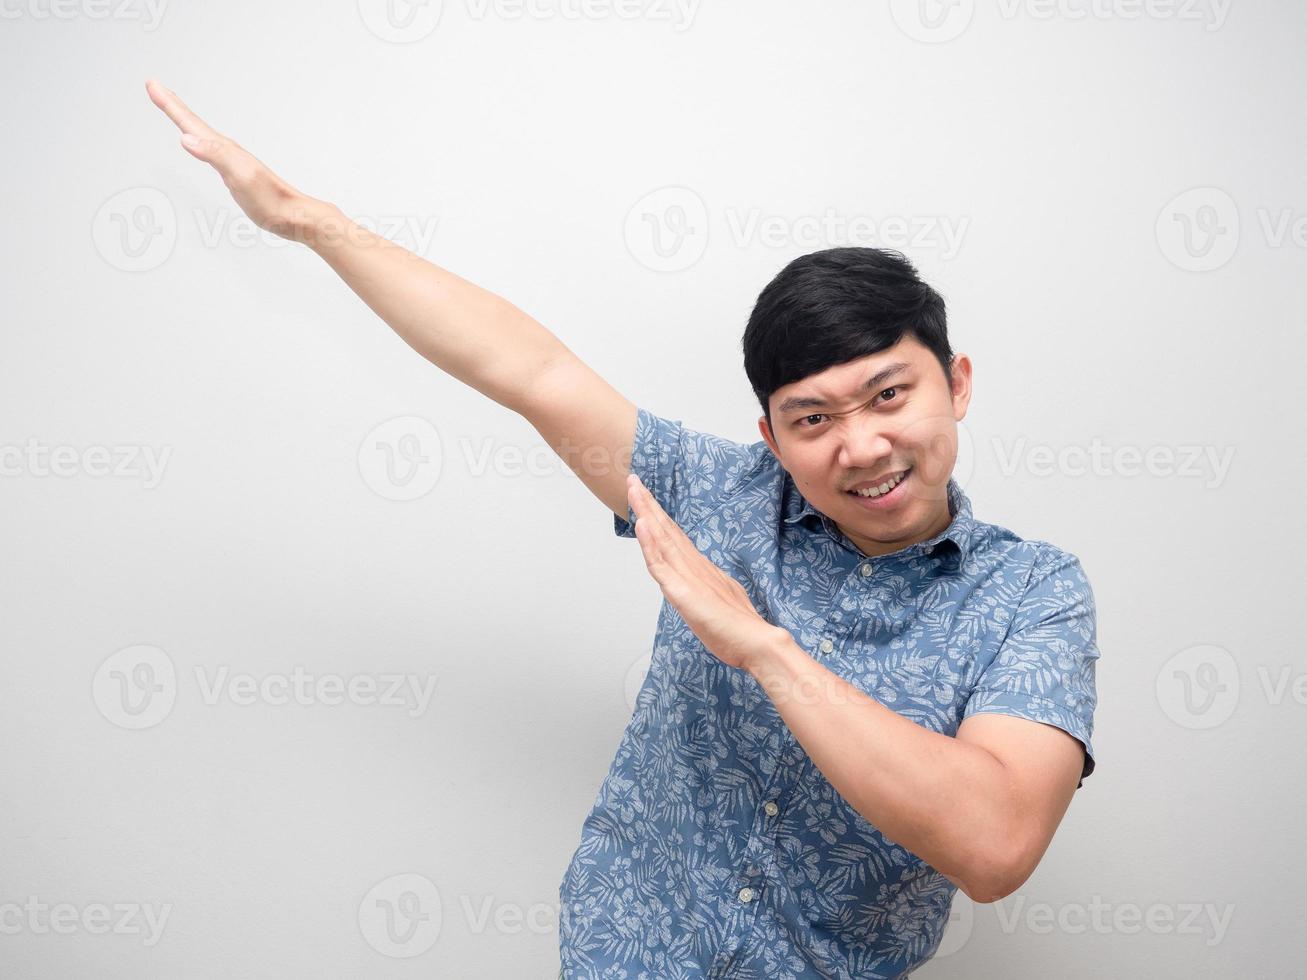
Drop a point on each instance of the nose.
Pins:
(866, 446)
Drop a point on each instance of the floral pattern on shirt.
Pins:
(714, 847)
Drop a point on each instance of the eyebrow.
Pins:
(875, 381)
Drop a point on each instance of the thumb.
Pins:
(196, 145)
(203, 148)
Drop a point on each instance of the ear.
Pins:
(765, 429)
(961, 385)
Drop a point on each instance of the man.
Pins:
(861, 698)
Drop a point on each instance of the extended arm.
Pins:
(474, 335)
(468, 332)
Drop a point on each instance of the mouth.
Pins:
(886, 494)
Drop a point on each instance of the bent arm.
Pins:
(956, 803)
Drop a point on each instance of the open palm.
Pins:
(269, 201)
(713, 604)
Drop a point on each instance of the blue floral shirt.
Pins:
(714, 847)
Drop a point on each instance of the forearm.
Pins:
(944, 800)
(474, 335)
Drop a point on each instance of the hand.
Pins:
(269, 201)
(712, 603)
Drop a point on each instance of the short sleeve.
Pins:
(1046, 668)
(689, 473)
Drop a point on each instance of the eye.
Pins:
(803, 421)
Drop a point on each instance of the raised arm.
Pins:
(468, 332)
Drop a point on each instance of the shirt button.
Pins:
(866, 570)
(746, 894)
(771, 808)
(827, 646)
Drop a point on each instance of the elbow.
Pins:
(984, 892)
(995, 876)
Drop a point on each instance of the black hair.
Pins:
(836, 305)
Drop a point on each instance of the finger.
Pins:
(652, 550)
(646, 505)
(664, 542)
(663, 531)
(669, 578)
(177, 111)
(653, 522)
(669, 544)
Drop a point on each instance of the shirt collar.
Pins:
(959, 531)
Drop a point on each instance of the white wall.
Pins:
(1055, 150)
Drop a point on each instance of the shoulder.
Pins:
(694, 473)
(1030, 556)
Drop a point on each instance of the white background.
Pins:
(1064, 141)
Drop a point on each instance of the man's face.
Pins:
(867, 421)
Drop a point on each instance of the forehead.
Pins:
(852, 379)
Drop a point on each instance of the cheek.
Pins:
(809, 474)
(931, 433)
(933, 448)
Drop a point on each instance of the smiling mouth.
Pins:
(883, 489)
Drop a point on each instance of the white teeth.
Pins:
(885, 487)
